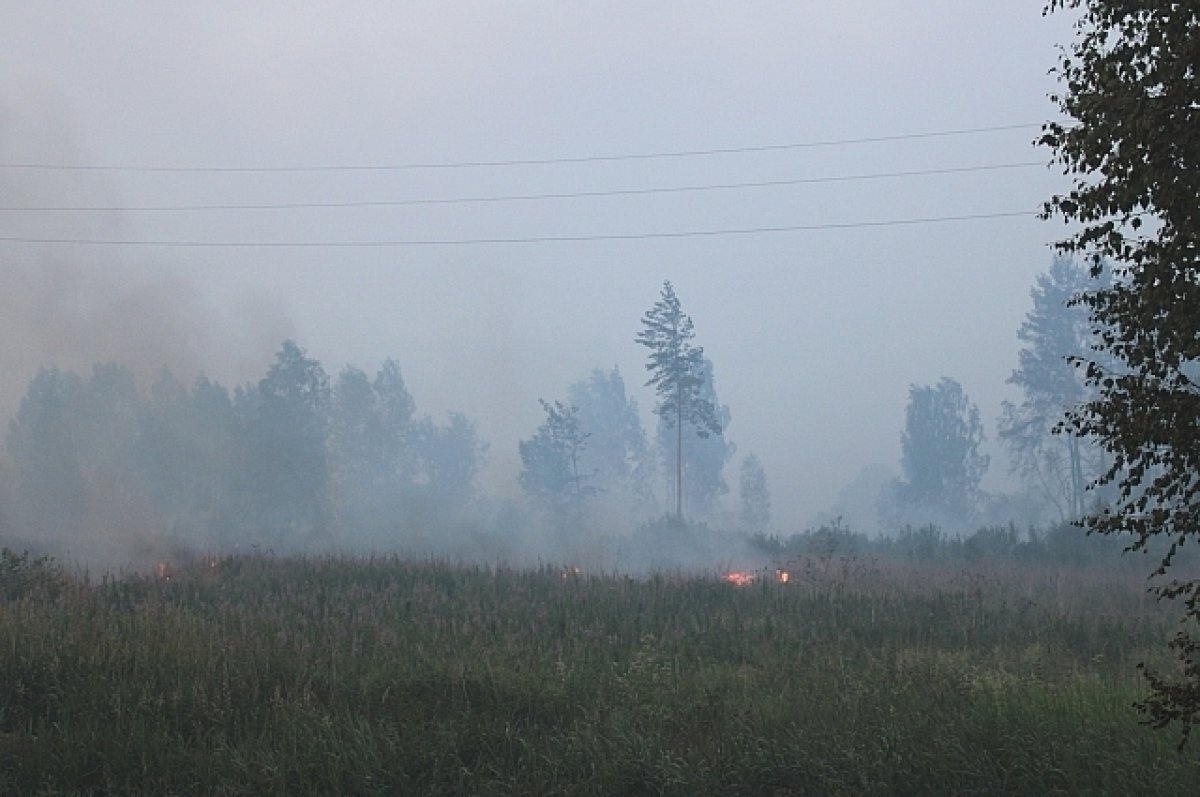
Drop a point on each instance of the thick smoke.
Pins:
(74, 316)
(72, 307)
(61, 311)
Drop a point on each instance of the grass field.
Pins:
(256, 675)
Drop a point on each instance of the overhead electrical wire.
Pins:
(471, 164)
(529, 197)
(538, 239)
(534, 239)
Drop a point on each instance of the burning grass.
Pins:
(254, 675)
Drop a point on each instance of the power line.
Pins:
(526, 161)
(525, 240)
(532, 197)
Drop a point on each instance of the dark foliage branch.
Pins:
(1131, 140)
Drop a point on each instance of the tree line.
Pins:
(300, 460)
(290, 461)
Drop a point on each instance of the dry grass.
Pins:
(287, 676)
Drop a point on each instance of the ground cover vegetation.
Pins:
(920, 671)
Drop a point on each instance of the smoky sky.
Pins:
(72, 308)
(815, 335)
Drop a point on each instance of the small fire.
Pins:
(574, 571)
(163, 571)
(738, 578)
(744, 578)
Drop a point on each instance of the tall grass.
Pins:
(255, 675)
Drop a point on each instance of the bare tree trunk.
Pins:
(679, 463)
(1077, 485)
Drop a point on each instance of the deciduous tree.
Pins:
(755, 497)
(289, 428)
(616, 455)
(940, 450)
(1128, 139)
(43, 441)
(1058, 467)
(551, 472)
(448, 460)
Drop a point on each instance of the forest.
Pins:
(109, 470)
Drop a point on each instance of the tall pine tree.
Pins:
(677, 372)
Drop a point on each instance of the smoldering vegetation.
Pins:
(909, 673)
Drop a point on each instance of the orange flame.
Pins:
(738, 578)
(782, 576)
(571, 572)
(163, 570)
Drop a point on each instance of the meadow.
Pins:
(257, 675)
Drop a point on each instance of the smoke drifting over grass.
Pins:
(73, 308)
(74, 316)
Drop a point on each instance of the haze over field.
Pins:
(815, 334)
